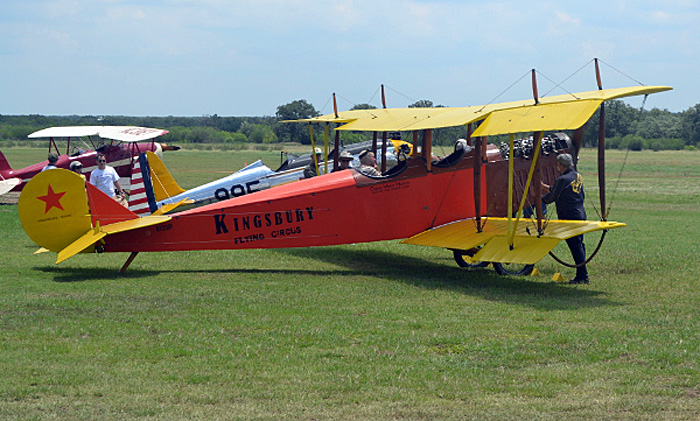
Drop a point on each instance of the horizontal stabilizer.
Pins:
(82, 243)
(133, 224)
(527, 248)
(99, 232)
(170, 206)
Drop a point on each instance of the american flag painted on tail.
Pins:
(138, 200)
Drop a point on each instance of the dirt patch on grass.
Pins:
(10, 198)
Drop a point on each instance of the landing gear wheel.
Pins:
(464, 259)
(513, 269)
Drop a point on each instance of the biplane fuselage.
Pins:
(338, 208)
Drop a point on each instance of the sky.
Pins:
(247, 57)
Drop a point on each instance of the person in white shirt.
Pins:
(105, 177)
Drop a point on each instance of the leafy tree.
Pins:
(295, 110)
(423, 103)
(363, 107)
(657, 124)
(620, 121)
(690, 125)
(258, 133)
(348, 138)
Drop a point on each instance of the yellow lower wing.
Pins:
(528, 248)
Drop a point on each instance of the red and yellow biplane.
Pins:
(469, 202)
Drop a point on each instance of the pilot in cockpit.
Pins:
(368, 163)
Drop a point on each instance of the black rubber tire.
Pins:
(513, 269)
(461, 262)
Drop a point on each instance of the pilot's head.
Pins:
(345, 159)
(367, 158)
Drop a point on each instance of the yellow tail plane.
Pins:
(63, 213)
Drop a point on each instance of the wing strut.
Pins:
(477, 182)
(534, 173)
(511, 163)
(601, 148)
(313, 148)
(538, 173)
(336, 155)
(326, 141)
(536, 141)
(384, 140)
(535, 94)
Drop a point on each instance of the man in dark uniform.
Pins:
(567, 193)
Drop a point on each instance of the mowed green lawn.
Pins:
(369, 331)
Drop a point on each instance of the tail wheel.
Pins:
(513, 269)
(464, 259)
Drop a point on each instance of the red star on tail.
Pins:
(53, 200)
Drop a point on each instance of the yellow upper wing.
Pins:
(403, 119)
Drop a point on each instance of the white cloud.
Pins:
(566, 19)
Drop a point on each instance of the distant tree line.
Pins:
(626, 127)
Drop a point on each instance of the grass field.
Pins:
(369, 331)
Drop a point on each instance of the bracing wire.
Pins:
(505, 90)
(354, 104)
(326, 104)
(558, 85)
(373, 95)
(399, 93)
(619, 176)
(621, 72)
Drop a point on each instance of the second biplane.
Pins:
(469, 201)
(120, 144)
